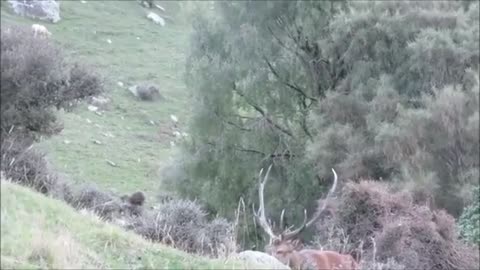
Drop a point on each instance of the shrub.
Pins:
(184, 225)
(469, 222)
(413, 235)
(37, 79)
(390, 264)
(183, 221)
(83, 83)
(220, 234)
(106, 205)
(25, 165)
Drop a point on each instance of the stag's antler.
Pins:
(260, 214)
(286, 234)
(305, 224)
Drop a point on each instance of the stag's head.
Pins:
(284, 244)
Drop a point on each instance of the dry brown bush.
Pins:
(25, 165)
(184, 225)
(391, 223)
(106, 205)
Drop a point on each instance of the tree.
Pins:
(251, 68)
(308, 85)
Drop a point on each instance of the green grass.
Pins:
(40, 232)
(157, 57)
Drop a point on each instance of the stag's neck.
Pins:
(299, 261)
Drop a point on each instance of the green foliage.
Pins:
(441, 138)
(253, 99)
(36, 79)
(310, 85)
(469, 221)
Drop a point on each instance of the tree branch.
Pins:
(253, 151)
(262, 112)
(292, 86)
(230, 122)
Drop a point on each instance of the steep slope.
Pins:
(37, 231)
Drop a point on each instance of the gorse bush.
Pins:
(36, 79)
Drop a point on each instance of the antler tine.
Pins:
(329, 194)
(260, 214)
(282, 224)
(305, 224)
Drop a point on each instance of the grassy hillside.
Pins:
(41, 232)
(140, 51)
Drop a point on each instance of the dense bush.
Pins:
(388, 225)
(35, 80)
(385, 90)
(469, 221)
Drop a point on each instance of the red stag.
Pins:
(288, 250)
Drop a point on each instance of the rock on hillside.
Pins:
(260, 260)
(48, 10)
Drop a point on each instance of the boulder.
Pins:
(259, 260)
(92, 108)
(99, 101)
(146, 92)
(47, 10)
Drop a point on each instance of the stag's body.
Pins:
(320, 260)
(289, 251)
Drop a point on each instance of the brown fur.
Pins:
(286, 252)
